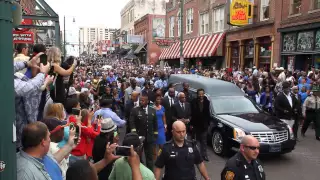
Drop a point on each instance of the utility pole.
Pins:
(8, 162)
(64, 38)
(181, 34)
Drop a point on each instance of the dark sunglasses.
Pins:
(253, 147)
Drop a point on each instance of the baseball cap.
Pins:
(133, 139)
(53, 124)
(107, 125)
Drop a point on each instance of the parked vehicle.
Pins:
(234, 115)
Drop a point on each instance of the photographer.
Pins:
(84, 170)
(59, 70)
(108, 134)
(121, 169)
(27, 91)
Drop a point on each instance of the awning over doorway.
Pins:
(140, 48)
(203, 46)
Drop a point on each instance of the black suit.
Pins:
(200, 119)
(283, 109)
(179, 113)
(298, 116)
(145, 125)
(167, 107)
(127, 110)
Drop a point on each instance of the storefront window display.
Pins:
(235, 55)
(317, 43)
(265, 52)
(249, 54)
(305, 41)
(289, 42)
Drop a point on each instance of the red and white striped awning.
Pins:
(203, 46)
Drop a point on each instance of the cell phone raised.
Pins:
(43, 59)
(77, 135)
(123, 151)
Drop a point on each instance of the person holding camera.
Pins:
(27, 93)
(121, 169)
(59, 70)
(108, 134)
(34, 161)
(84, 170)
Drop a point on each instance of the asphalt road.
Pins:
(301, 164)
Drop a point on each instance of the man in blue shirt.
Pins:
(33, 161)
(106, 112)
(303, 84)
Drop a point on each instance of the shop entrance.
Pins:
(303, 62)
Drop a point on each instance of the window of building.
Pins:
(189, 27)
(316, 4)
(204, 23)
(218, 19)
(264, 10)
(179, 23)
(295, 7)
(171, 26)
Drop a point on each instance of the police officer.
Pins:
(179, 157)
(244, 165)
(311, 111)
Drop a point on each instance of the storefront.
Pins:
(300, 47)
(247, 53)
(204, 51)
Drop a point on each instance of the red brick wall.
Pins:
(144, 25)
(307, 15)
(174, 12)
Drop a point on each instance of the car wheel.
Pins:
(218, 143)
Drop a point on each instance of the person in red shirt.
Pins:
(87, 135)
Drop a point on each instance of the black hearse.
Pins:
(235, 115)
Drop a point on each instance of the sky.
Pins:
(89, 12)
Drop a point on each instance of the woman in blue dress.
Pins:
(162, 125)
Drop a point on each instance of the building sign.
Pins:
(134, 39)
(23, 37)
(165, 42)
(158, 28)
(240, 12)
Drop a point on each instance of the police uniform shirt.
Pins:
(238, 168)
(179, 161)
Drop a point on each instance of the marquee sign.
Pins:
(240, 12)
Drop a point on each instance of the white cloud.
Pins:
(89, 12)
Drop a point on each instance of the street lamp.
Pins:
(64, 35)
(181, 32)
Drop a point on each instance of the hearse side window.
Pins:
(233, 105)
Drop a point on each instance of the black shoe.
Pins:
(205, 158)
(317, 138)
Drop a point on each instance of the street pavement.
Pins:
(303, 163)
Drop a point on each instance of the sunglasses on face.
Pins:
(253, 147)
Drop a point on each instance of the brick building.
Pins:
(299, 34)
(203, 42)
(253, 44)
(151, 27)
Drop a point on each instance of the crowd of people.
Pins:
(70, 114)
